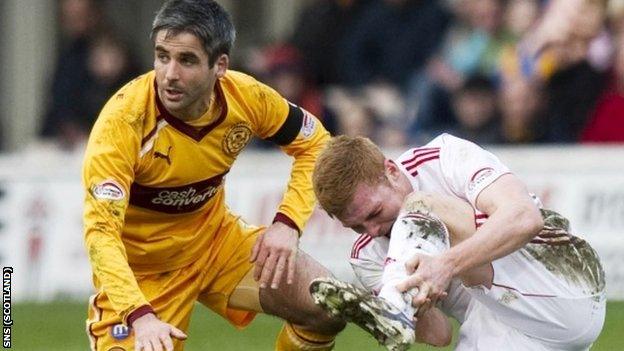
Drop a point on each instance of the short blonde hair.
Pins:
(345, 162)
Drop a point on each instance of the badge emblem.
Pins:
(236, 138)
(108, 190)
(308, 125)
(120, 331)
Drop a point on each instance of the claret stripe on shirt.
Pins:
(421, 155)
(359, 244)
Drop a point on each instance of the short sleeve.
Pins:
(468, 168)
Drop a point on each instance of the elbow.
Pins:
(532, 220)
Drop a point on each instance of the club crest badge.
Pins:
(236, 138)
(120, 331)
(480, 176)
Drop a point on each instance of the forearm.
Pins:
(508, 229)
(299, 200)
(115, 277)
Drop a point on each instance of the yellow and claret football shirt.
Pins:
(155, 197)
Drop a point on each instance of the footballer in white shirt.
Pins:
(460, 228)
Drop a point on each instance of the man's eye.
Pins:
(188, 62)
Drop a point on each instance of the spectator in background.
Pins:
(521, 105)
(583, 59)
(390, 40)
(285, 71)
(91, 65)
(352, 116)
(520, 16)
(318, 34)
(606, 122)
(476, 110)
(567, 54)
(471, 46)
(386, 104)
(374, 110)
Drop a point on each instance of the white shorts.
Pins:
(518, 300)
(483, 331)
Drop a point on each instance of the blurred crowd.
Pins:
(92, 63)
(402, 71)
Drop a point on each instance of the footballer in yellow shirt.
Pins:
(158, 233)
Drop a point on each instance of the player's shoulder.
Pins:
(133, 107)
(238, 84)
(238, 80)
(453, 147)
(132, 102)
(428, 150)
(446, 140)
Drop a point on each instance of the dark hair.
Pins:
(478, 82)
(205, 19)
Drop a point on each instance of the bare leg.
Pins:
(294, 303)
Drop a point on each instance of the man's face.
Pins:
(374, 208)
(185, 80)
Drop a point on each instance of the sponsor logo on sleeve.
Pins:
(108, 190)
(309, 124)
(120, 331)
(479, 177)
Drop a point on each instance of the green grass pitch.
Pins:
(60, 326)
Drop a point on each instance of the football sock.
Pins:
(292, 338)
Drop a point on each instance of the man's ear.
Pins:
(392, 171)
(222, 64)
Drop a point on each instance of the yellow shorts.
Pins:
(211, 280)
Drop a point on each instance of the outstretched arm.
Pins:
(482, 181)
(513, 221)
(302, 136)
(107, 175)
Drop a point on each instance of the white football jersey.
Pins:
(534, 308)
(452, 166)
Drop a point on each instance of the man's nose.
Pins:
(172, 72)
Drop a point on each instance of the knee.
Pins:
(419, 202)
